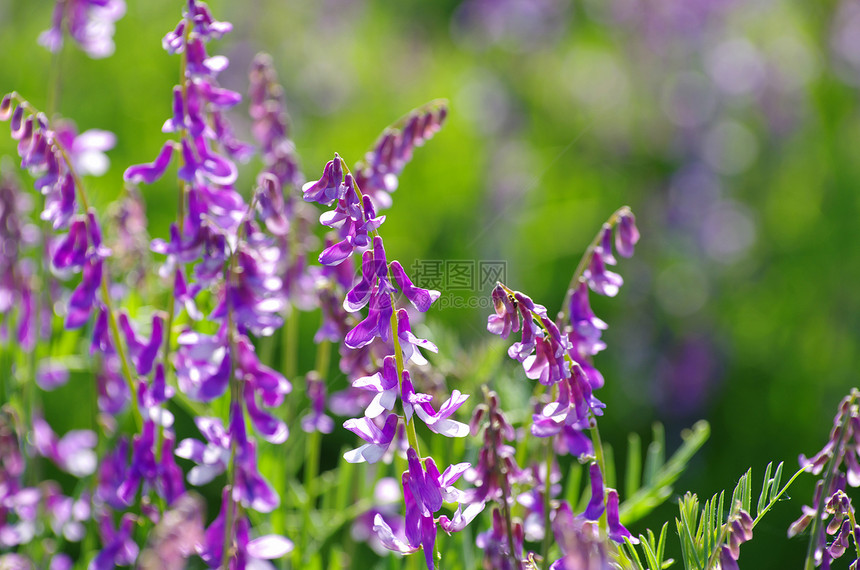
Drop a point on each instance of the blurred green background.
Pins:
(731, 128)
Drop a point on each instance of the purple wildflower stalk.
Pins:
(558, 355)
(356, 222)
(44, 153)
(496, 469)
(377, 174)
(626, 236)
(843, 447)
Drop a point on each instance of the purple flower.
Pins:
(740, 530)
(586, 327)
(617, 532)
(111, 474)
(385, 384)
(600, 279)
(150, 172)
(84, 296)
(494, 543)
(89, 22)
(143, 354)
(424, 490)
(377, 174)
(595, 503)
(66, 513)
(72, 453)
(265, 383)
(420, 298)
(246, 553)
(176, 536)
(580, 542)
(507, 317)
(162, 475)
(51, 375)
(626, 234)
(388, 538)
(409, 343)
(438, 422)
(376, 324)
(378, 439)
(386, 498)
(86, 150)
(203, 365)
(270, 128)
(211, 458)
(249, 487)
(327, 189)
(119, 546)
(316, 420)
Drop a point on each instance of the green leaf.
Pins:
(660, 476)
(633, 476)
(764, 497)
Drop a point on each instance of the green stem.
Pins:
(411, 435)
(547, 492)
(312, 453)
(776, 497)
(235, 396)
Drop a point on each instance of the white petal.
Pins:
(269, 547)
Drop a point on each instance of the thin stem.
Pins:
(235, 396)
(54, 72)
(290, 359)
(411, 435)
(312, 451)
(501, 473)
(776, 497)
(547, 487)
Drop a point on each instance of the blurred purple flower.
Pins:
(119, 547)
(580, 541)
(72, 453)
(89, 22)
(246, 553)
(86, 150)
(494, 543)
(316, 419)
(377, 174)
(161, 475)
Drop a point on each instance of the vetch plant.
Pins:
(206, 443)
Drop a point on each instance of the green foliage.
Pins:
(703, 531)
(653, 551)
(645, 491)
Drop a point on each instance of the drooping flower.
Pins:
(378, 173)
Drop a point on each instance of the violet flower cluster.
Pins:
(356, 224)
(237, 263)
(558, 354)
(832, 512)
